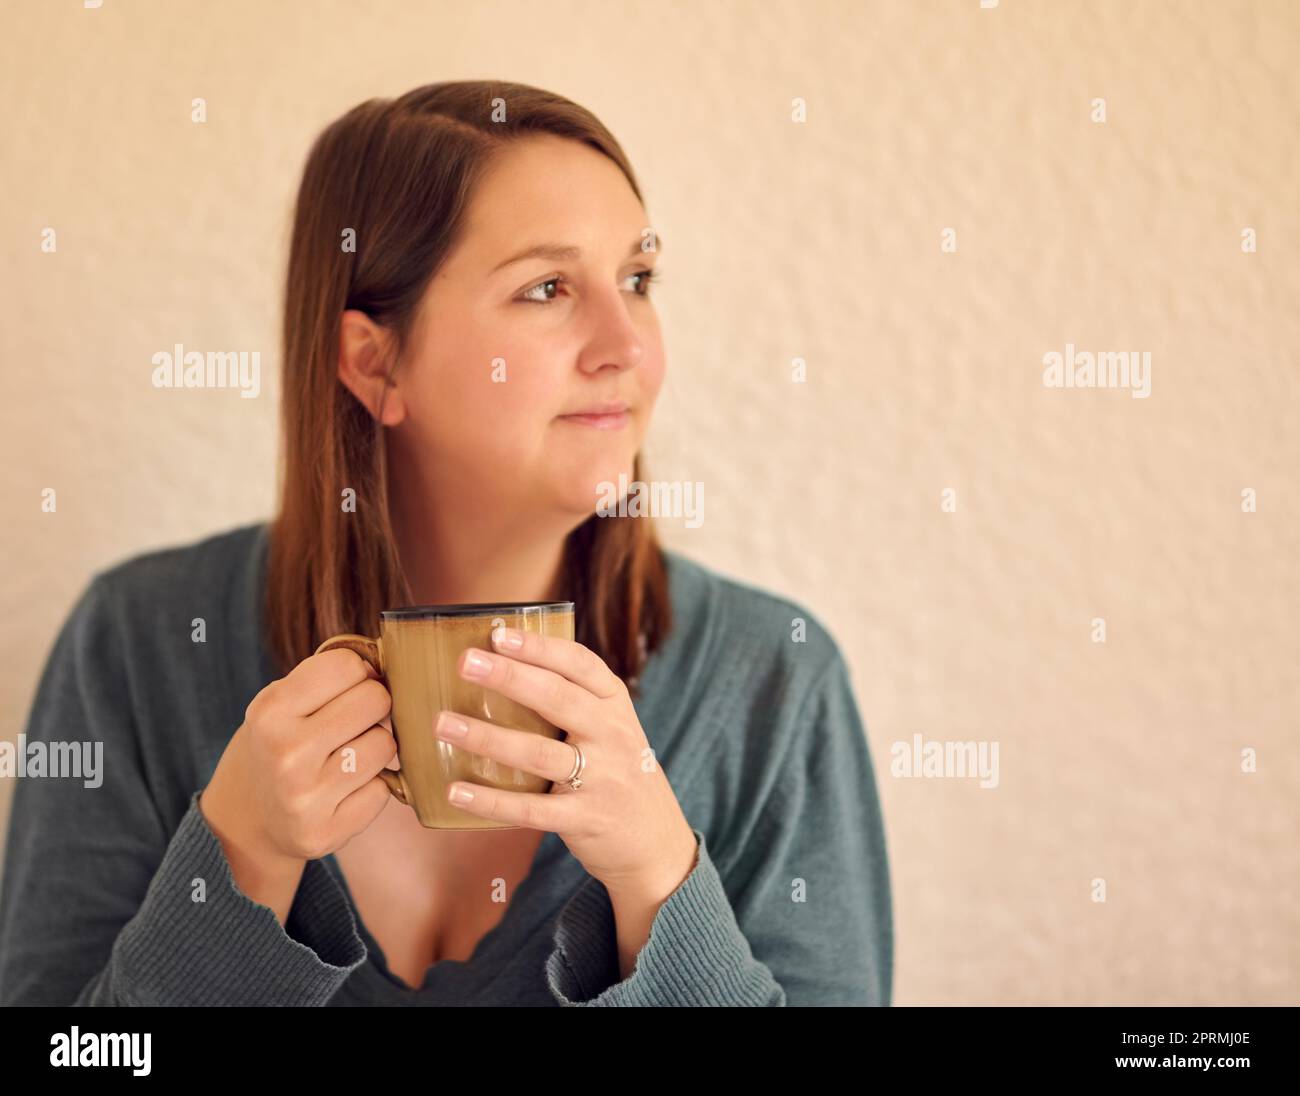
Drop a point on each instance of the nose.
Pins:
(613, 342)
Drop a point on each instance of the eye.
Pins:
(648, 277)
(525, 296)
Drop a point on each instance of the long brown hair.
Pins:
(396, 177)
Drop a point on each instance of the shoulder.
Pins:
(758, 689)
(134, 620)
(753, 639)
(181, 574)
(150, 601)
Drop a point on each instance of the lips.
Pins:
(610, 407)
(606, 416)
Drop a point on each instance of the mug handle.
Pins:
(373, 652)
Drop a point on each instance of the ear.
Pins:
(365, 357)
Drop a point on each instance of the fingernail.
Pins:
(507, 638)
(477, 665)
(461, 794)
(451, 727)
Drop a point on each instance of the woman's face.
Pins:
(505, 348)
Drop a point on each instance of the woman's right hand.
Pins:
(299, 778)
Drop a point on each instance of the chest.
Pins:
(429, 895)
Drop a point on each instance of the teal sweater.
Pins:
(758, 733)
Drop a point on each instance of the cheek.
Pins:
(484, 383)
(486, 394)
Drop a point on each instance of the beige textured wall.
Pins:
(821, 241)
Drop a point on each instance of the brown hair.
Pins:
(400, 173)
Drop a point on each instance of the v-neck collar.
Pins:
(549, 859)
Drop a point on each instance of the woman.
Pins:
(470, 350)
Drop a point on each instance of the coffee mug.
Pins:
(416, 656)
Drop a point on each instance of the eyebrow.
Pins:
(565, 252)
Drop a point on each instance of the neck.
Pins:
(481, 554)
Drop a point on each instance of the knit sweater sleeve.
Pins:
(802, 916)
(103, 903)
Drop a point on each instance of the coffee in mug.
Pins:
(416, 656)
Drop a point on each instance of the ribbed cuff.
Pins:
(696, 954)
(228, 949)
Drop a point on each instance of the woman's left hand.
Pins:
(624, 824)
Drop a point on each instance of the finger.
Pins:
(533, 753)
(355, 762)
(554, 698)
(344, 717)
(362, 807)
(579, 664)
(322, 677)
(387, 724)
(556, 813)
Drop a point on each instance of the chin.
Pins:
(583, 493)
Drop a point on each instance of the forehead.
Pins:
(549, 189)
